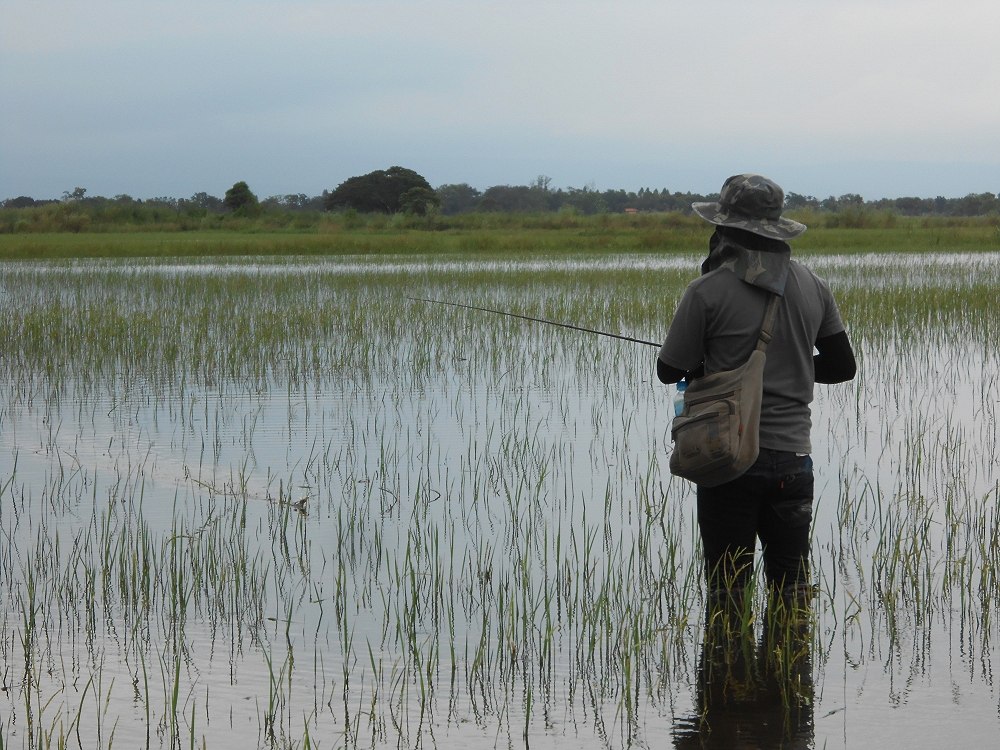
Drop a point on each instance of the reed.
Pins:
(341, 513)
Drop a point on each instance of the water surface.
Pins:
(282, 502)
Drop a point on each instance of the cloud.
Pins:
(604, 91)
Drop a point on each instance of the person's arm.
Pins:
(685, 339)
(834, 362)
(668, 374)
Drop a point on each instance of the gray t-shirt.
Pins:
(717, 322)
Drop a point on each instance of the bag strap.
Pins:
(765, 328)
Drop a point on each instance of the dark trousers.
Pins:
(771, 502)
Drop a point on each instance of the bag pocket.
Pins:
(706, 436)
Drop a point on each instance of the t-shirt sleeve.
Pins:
(832, 322)
(684, 347)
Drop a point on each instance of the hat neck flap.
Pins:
(764, 265)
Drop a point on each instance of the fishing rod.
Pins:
(536, 320)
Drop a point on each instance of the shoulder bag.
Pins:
(716, 436)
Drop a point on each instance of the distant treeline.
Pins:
(540, 197)
(76, 211)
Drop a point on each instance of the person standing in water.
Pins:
(715, 327)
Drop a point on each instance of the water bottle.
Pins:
(679, 398)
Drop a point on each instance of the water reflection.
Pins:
(493, 546)
(356, 265)
(752, 690)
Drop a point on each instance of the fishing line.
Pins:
(536, 320)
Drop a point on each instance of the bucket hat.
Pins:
(751, 202)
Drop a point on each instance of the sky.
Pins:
(884, 98)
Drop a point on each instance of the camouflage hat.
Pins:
(751, 202)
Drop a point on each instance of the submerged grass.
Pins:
(282, 502)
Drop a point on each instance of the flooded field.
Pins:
(283, 504)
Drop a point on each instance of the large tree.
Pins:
(457, 198)
(241, 200)
(383, 191)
